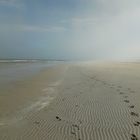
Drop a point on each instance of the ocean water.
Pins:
(14, 70)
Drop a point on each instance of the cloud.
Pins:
(80, 20)
(30, 28)
(106, 29)
(41, 29)
(11, 3)
(113, 32)
(80, 23)
(8, 2)
(115, 7)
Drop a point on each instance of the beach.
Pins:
(75, 101)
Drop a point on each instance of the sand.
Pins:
(83, 101)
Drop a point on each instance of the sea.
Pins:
(14, 70)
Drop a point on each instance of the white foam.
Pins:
(39, 104)
(17, 61)
(51, 87)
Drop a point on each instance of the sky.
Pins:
(70, 29)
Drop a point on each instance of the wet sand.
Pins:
(85, 101)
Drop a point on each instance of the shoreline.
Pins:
(29, 94)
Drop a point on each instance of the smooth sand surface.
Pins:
(87, 101)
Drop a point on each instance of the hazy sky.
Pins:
(70, 29)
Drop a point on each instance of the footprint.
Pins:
(36, 122)
(132, 91)
(121, 92)
(126, 101)
(76, 105)
(73, 130)
(73, 133)
(125, 96)
(134, 137)
(80, 121)
(136, 123)
(59, 119)
(76, 126)
(131, 106)
(134, 114)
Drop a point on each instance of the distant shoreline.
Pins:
(27, 60)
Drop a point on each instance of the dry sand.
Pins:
(87, 101)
